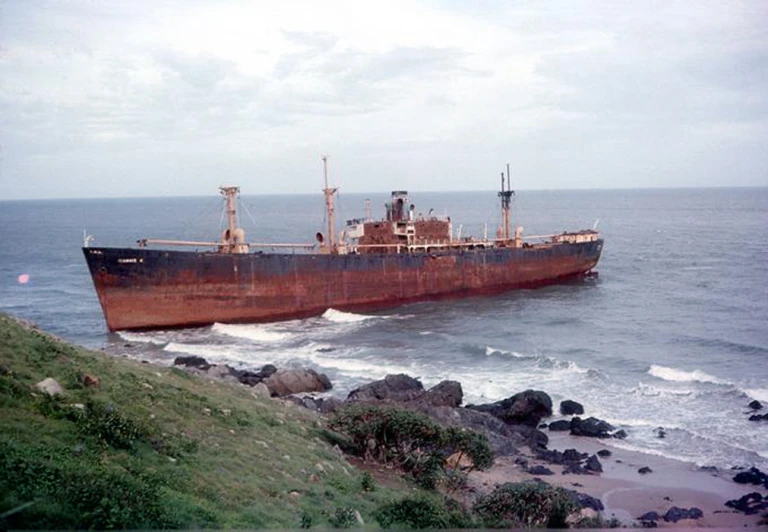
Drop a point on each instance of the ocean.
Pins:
(672, 334)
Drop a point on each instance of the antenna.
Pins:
(594, 227)
(505, 196)
(87, 239)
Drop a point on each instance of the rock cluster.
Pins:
(673, 515)
(752, 476)
(279, 383)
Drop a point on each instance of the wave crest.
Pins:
(338, 316)
(257, 333)
(679, 375)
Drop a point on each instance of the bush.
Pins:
(108, 426)
(343, 518)
(423, 512)
(409, 440)
(526, 504)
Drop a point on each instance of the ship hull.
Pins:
(150, 289)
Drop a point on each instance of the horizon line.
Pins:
(418, 191)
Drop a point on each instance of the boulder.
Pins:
(571, 408)
(591, 427)
(645, 470)
(397, 388)
(573, 455)
(752, 476)
(675, 514)
(749, 504)
(758, 417)
(540, 470)
(289, 381)
(192, 361)
(50, 386)
(446, 393)
(252, 378)
(593, 464)
(524, 408)
(328, 405)
(755, 405)
(260, 390)
(649, 516)
(560, 425)
(619, 434)
(604, 453)
(586, 501)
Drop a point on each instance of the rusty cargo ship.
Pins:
(371, 264)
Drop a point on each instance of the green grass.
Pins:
(155, 447)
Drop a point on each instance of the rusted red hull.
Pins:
(148, 289)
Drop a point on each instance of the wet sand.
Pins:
(627, 494)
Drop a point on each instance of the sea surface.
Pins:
(673, 333)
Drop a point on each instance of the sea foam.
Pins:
(679, 375)
(338, 316)
(257, 333)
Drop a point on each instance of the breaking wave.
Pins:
(761, 394)
(491, 351)
(648, 390)
(257, 333)
(143, 338)
(678, 375)
(338, 316)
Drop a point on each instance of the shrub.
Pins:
(108, 425)
(526, 505)
(423, 512)
(343, 517)
(367, 483)
(409, 440)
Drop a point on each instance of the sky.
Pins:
(169, 98)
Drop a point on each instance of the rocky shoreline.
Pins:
(521, 441)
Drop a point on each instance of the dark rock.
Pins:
(551, 456)
(504, 439)
(540, 470)
(604, 453)
(267, 371)
(4, 370)
(619, 434)
(593, 464)
(572, 455)
(192, 361)
(328, 405)
(755, 405)
(649, 516)
(749, 504)
(560, 425)
(645, 470)
(521, 462)
(290, 381)
(574, 468)
(309, 403)
(446, 393)
(758, 417)
(753, 476)
(325, 349)
(525, 408)
(586, 501)
(675, 514)
(542, 426)
(571, 408)
(591, 427)
(661, 433)
(398, 388)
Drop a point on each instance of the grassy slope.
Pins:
(157, 447)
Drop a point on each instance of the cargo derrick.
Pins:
(402, 258)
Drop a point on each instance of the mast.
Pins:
(233, 237)
(506, 196)
(329, 192)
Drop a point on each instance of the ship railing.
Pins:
(191, 243)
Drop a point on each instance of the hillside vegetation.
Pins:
(130, 445)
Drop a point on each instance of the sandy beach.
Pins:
(627, 494)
